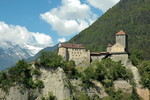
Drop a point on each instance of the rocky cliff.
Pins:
(142, 92)
(54, 82)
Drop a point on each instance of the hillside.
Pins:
(132, 16)
(50, 77)
(33, 58)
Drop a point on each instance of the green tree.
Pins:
(136, 57)
(69, 68)
(106, 71)
(50, 59)
(144, 69)
(50, 96)
(20, 74)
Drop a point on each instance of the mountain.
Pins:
(132, 16)
(11, 52)
(51, 48)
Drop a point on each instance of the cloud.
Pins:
(42, 38)
(62, 39)
(20, 35)
(103, 5)
(69, 18)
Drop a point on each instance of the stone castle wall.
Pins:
(78, 53)
(63, 53)
(99, 58)
(123, 57)
(79, 56)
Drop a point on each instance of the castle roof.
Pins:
(95, 53)
(98, 53)
(117, 48)
(121, 33)
(109, 45)
(71, 45)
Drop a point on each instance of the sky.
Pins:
(48, 22)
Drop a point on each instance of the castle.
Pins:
(78, 53)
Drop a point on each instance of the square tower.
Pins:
(122, 38)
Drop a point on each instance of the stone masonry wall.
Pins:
(99, 58)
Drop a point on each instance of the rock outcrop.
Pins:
(15, 93)
(54, 82)
(123, 85)
(144, 93)
(98, 88)
(124, 58)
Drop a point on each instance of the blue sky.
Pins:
(48, 21)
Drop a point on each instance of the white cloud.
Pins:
(20, 35)
(62, 39)
(69, 18)
(42, 38)
(103, 5)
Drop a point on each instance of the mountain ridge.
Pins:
(11, 52)
(35, 57)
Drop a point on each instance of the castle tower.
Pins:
(121, 38)
(63, 52)
(109, 47)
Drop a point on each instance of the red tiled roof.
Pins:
(71, 45)
(121, 33)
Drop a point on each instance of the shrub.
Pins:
(35, 72)
(136, 57)
(106, 72)
(50, 59)
(144, 69)
(20, 74)
(50, 96)
(69, 69)
(39, 84)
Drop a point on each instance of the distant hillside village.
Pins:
(78, 53)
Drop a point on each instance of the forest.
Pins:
(132, 16)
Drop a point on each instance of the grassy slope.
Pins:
(133, 16)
